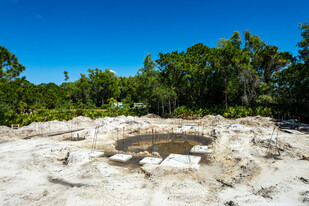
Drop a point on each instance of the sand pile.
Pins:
(154, 116)
(251, 165)
(256, 121)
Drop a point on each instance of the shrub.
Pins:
(79, 112)
(263, 111)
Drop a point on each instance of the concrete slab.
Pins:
(199, 149)
(150, 160)
(182, 161)
(96, 154)
(120, 157)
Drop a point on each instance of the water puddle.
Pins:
(164, 144)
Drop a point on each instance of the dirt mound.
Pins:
(153, 116)
(211, 119)
(165, 172)
(256, 121)
(6, 131)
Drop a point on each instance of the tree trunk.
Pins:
(169, 106)
(245, 97)
(162, 107)
(158, 106)
(175, 105)
(225, 88)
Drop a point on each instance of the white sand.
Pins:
(243, 167)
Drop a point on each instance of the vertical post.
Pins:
(93, 140)
(162, 135)
(96, 138)
(269, 144)
(71, 127)
(157, 136)
(277, 141)
(276, 138)
(198, 129)
(152, 140)
(117, 141)
(123, 139)
(284, 116)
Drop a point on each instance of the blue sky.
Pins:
(51, 36)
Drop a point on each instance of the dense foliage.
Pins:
(234, 79)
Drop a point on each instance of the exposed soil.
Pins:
(251, 164)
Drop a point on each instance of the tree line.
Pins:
(245, 75)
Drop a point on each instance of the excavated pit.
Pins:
(164, 144)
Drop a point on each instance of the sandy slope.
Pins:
(245, 169)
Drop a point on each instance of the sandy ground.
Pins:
(249, 165)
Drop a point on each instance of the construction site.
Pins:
(154, 161)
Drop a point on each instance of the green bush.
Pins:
(4, 108)
(79, 112)
(10, 116)
(263, 111)
(242, 111)
(181, 111)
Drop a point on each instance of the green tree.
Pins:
(104, 85)
(66, 76)
(172, 67)
(304, 43)
(83, 86)
(147, 80)
(229, 57)
(4, 108)
(293, 82)
(10, 68)
(196, 74)
(52, 94)
(128, 87)
(265, 60)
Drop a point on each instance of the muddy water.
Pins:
(164, 144)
